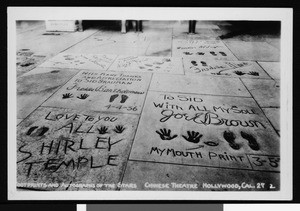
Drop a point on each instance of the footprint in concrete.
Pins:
(239, 72)
(113, 97)
(43, 131)
(222, 53)
(251, 140)
(213, 53)
(194, 63)
(253, 73)
(230, 137)
(26, 64)
(31, 130)
(123, 98)
(203, 63)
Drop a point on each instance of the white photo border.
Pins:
(285, 15)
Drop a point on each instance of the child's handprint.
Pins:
(67, 95)
(119, 129)
(83, 96)
(102, 130)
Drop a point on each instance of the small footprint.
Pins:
(203, 64)
(213, 53)
(194, 63)
(31, 130)
(222, 53)
(230, 137)
(44, 130)
(251, 140)
(113, 97)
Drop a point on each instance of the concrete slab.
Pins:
(203, 130)
(243, 69)
(146, 176)
(214, 49)
(27, 60)
(103, 91)
(254, 51)
(65, 148)
(198, 85)
(272, 68)
(159, 49)
(148, 64)
(80, 61)
(273, 115)
(19, 120)
(121, 44)
(50, 44)
(33, 89)
(265, 92)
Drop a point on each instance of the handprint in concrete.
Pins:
(165, 134)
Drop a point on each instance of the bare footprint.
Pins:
(251, 140)
(113, 97)
(230, 137)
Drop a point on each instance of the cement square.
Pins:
(144, 176)
(148, 64)
(80, 61)
(65, 149)
(198, 85)
(159, 49)
(50, 44)
(214, 49)
(265, 92)
(254, 51)
(273, 114)
(204, 130)
(103, 91)
(243, 69)
(34, 87)
(272, 68)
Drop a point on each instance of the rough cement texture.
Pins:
(103, 91)
(243, 69)
(148, 64)
(69, 148)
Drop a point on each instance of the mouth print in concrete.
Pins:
(224, 68)
(65, 149)
(212, 49)
(103, 91)
(201, 130)
(148, 64)
(80, 61)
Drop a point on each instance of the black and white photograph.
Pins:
(142, 103)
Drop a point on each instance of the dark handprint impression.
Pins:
(67, 95)
(119, 129)
(165, 134)
(193, 136)
(83, 96)
(102, 130)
